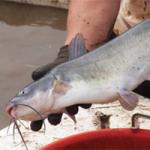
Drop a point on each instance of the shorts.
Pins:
(131, 13)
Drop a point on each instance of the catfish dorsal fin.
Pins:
(77, 47)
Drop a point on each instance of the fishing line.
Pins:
(16, 124)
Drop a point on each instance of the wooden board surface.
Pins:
(86, 120)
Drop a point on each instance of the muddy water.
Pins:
(30, 36)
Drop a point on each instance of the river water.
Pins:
(30, 36)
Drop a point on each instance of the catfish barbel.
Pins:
(109, 73)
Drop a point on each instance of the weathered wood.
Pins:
(86, 120)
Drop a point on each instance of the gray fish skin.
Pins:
(108, 73)
(123, 63)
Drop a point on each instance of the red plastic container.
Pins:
(108, 139)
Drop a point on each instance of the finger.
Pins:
(36, 125)
(54, 119)
(143, 89)
(41, 71)
(72, 110)
(85, 106)
(61, 58)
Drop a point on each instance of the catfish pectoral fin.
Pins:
(128, 99)
(60, 87)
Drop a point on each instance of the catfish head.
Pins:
(36, 100)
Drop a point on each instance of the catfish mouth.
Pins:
(10, 109)
(15, 112)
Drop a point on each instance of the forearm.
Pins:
(92, 18)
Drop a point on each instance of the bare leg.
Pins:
(92, 18)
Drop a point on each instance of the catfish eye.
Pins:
(21, 92)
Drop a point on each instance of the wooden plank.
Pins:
(86, 120)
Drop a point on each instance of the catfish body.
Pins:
(108, 73)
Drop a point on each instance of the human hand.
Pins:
(55, 118)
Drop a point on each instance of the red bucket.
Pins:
(108, 139)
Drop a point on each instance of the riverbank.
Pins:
(53, 3)
(27, 41)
